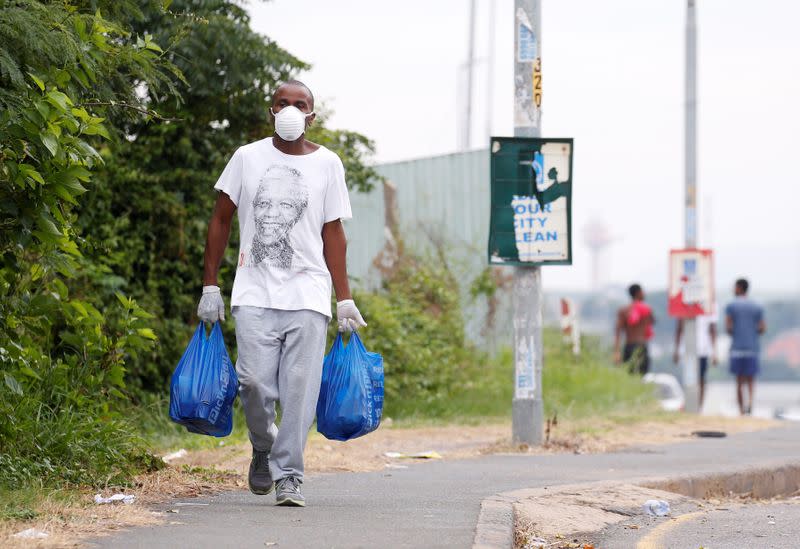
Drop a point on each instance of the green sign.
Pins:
(531, 218)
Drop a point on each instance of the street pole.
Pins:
(490, 73)
(467, 136)
(527, 408)
(690, 206)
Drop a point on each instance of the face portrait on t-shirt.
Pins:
(279, 203)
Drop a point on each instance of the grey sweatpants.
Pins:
(280, 359)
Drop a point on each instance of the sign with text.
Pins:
(691, 283)
(531, 201)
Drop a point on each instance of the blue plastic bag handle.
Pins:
(339, 344)
(216, 331)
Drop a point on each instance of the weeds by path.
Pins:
(69, 515)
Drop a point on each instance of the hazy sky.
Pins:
(613, 80)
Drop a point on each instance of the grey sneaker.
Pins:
(288, 492)
(258, 479)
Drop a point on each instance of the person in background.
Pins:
(706, 346)
(744, 321)
(636, 322)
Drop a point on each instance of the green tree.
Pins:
(147, 221)
(64, 69)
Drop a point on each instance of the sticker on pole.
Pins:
(526, 38)
(531, 201)
(691, 283)
(524, 369)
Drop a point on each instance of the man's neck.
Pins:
(297, 147)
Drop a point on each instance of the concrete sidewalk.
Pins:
(436, 504)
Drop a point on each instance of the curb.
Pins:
(762, 482)
(496, 522)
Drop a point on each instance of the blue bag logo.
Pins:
(204, 386)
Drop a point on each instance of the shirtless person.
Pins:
(636, 321)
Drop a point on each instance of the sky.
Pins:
(613, 79)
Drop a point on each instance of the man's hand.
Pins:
(714, 360)
(348, 316)
(676, 357)
(211, 307)
(617, 358)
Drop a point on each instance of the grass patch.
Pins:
(590, 386)
(69, 514)
(575, 389)
(71, 447)
(26, 503)
(151, 416)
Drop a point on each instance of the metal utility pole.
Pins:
(690, 369)
(467, 136)
(490, 73)
(527, 408)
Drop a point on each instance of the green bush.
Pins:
(432, 372)
(91, 101)
(416, 323)
(62, 68)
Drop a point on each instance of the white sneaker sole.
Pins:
(289, 502)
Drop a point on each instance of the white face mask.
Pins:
(290, 122)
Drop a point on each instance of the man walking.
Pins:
(706, 341)
(636, 322)
(291, 196)
(744, 321)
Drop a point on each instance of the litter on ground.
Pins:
(127, 499)
(31, 533)
(430, 454)
(656, 507)
(175, 455)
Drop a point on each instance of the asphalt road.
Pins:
(728, 526)
(433, 504)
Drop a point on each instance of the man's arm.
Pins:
(762, 326)
(678, 334)
(729, 324)
(334, 248)
(219, 230)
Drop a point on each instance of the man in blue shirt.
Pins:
(744, 320)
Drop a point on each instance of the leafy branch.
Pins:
(122, 104)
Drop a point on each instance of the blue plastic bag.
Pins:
(351, 395)
(204, 385)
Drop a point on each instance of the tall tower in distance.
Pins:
(597, 237)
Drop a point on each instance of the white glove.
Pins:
(211, 307)
(348, 316)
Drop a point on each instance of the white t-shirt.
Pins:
(705, 348)
(283, 200)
